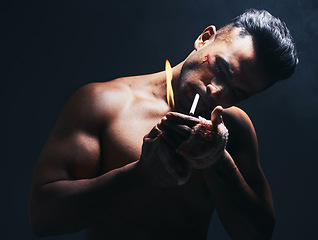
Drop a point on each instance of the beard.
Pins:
(186, 88)
(193, 79)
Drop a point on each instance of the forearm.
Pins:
(244, 213)
(70, 205)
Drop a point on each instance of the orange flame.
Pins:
(170, 98)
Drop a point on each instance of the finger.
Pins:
(216, 116)
(182, 119)
(180, 129)
(155, 132)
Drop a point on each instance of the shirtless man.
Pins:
(113, 164)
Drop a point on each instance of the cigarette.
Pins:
(194, 104)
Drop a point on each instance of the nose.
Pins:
(213, 89)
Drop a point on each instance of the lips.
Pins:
(207, 95)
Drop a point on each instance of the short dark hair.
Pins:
(273, 43)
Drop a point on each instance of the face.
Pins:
(222, 70)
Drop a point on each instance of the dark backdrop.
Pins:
(51, 48)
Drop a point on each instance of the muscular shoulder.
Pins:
(73, 147)
(236, 117)
(242, 135)
(95, 104)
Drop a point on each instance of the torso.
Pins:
(174, 213)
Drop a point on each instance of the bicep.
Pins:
(75, 156)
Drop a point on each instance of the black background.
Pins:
(51, 48)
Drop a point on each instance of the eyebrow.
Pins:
(226, 65)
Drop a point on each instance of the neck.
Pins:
(158, 84)
(176, 72)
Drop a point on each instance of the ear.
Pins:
(208, 34)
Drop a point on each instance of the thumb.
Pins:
(216, 116)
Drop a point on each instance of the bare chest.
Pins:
(123, 139)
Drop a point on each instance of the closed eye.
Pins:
(219, 69)
(223, 67)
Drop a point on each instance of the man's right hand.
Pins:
(159, 159)
(207, 143)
